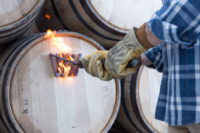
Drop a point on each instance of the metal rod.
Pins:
(72, 62)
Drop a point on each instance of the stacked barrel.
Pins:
(33, 100)
(107, 21)
(16, 17)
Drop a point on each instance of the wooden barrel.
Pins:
(33, 100)
(107, 21)
(16, 17)
(32, 30)
(117, 128)
(139, 98)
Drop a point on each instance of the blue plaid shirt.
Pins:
(177, 24)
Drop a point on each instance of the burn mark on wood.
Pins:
(106, 91)
(73, 127)
(26, 101)
(25, 111)
(26, 104)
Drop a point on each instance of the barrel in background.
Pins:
(117, 128)
(33, 100)
(106, 21)
(16, 17)
(139, 98)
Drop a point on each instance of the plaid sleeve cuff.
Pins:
(176, 22)
(155, 56)
(166, 31)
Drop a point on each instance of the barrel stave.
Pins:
(18, 20)
(22, 90)
(105, 21)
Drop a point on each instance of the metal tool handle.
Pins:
(133, 63)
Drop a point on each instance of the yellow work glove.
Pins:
(94, 65)
(121, 54)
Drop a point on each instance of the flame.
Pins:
(47, 16)
(63, 67)
(57, 41)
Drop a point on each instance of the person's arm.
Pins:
(177, 21)
(146, 38)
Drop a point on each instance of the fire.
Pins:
(47, 16)
(57, 41)
(63, 68)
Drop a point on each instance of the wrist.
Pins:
(151, 37)
(142, 37)
(144, 60)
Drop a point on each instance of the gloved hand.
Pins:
(119, 56)
(94, 65)
(116, 60)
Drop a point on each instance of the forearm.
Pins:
(146, 38)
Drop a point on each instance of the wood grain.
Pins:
(148, 91)
(125, 14)
(16, 16)
(38, 102)
(128, 115)
(107, 21)
(139, 98)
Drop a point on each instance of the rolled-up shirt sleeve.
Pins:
(156, 57)
(178, 21)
